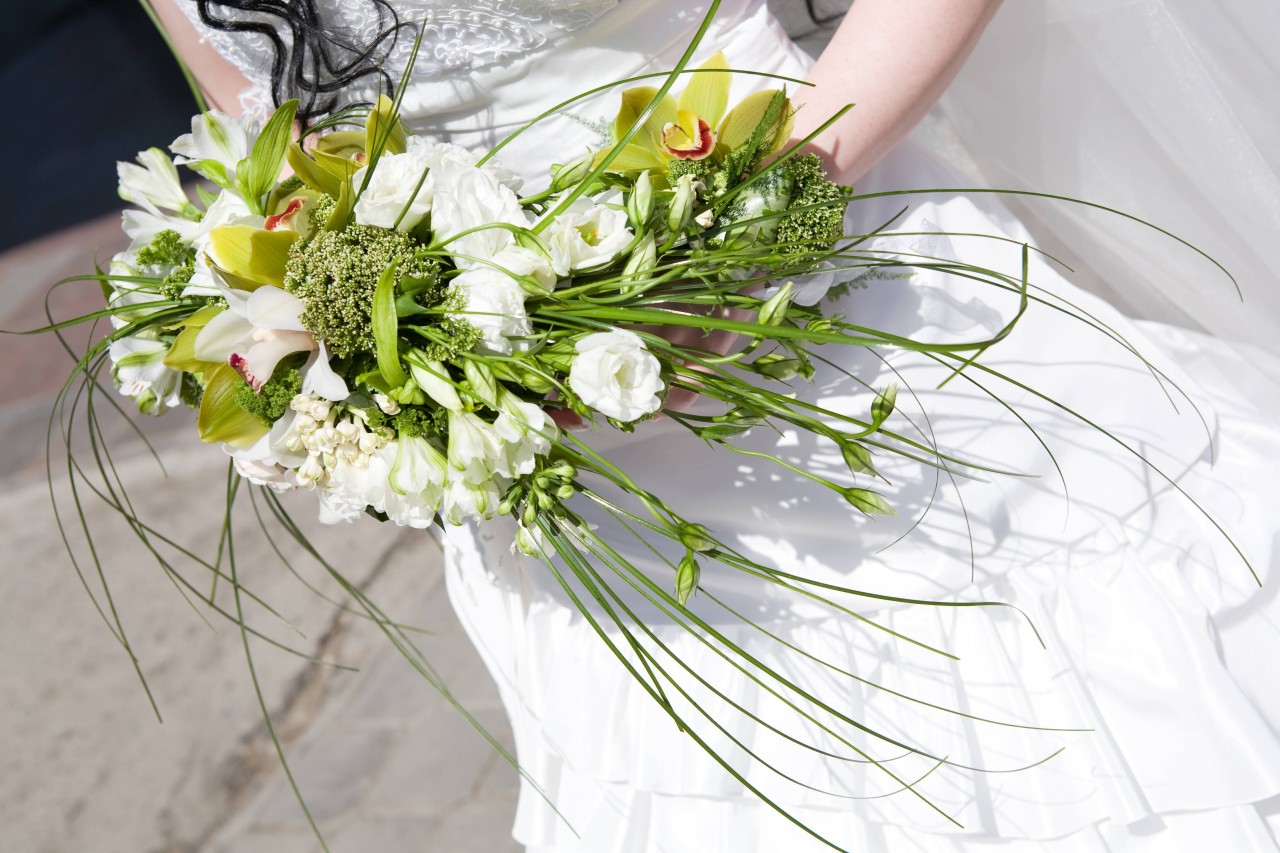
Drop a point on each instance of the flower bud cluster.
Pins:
(328, 441)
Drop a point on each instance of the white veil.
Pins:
(1166, 109)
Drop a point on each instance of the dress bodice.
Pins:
(487, 66)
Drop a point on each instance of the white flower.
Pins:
(141, 373)
(525, 432)
(463, 500)
(530, 264)
(391, 189)
(810, 288)
(352, 487)
(256, 331)
(468, 197)
(493, 303)
(418, 469)
(259, 464)
(586, 235)
(215, 146)
(473, 447)
(616, 375)
(154, 184)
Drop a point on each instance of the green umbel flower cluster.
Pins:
(166, 250)
(335, 274)
(421, 421)
(270, 404)
(818, 229)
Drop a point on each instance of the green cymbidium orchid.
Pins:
(693, 125)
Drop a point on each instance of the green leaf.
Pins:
(221, 420)
(268, 155)
(883, 405)
(868, 502)
(384, 122)
(386, 329)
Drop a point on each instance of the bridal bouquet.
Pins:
(394, 326)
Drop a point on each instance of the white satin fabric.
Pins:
(1158, 644)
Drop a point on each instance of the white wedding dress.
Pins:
(1158, 644)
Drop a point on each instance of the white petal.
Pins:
(221, 336)
(271, 307)
(321, 380)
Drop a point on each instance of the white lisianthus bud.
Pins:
(386, 405)
(525, 432)
(615, 374)
(643, 259)
(774, 311)
(640, 202)
(565, 175)
(682, 205)
(433, 378)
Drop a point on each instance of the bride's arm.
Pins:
(219, 80)
(892, 59)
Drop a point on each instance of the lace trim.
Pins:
(458, 37)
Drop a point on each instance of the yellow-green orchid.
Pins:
(693, 125)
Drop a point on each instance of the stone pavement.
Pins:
(383, 761)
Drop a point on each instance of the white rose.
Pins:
(616, 375)
(586, 235)
(494, 304)
(399, 184)
(469, 197)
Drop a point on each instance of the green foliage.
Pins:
(420, 421)
(336, 275)
(270, 404)
(700, 169)
(818, 229)
(166, 250)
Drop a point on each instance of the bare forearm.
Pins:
(219, 79)
(892, 59)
